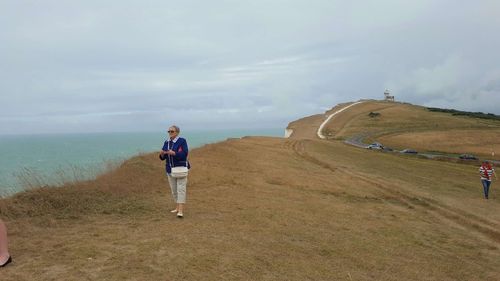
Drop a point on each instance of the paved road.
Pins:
(358, 142)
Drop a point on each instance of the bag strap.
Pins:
(170, 157)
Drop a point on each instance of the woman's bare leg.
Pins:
(4, 250)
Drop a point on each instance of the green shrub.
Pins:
(455, 112)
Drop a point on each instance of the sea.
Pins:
(30, 161)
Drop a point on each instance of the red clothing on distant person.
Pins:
(486, 171)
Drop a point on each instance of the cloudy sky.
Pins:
(93, 66)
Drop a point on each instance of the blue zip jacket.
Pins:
(179, 145)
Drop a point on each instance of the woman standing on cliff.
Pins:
(175, 152)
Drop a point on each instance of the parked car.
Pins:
(467, 157)
(375, 145)
(409, 151)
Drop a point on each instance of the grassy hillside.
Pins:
(408, 126)
(263, 209)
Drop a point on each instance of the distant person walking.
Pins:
(175, 152)
(486, 171)
(5, 257)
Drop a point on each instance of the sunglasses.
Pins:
(170, 132)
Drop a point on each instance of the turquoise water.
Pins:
(36, 160)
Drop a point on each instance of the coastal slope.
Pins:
(262, 208)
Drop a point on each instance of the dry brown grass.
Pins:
(475, 141)
(274, 209)
(346, 123)
(262, 209)
(403, 126)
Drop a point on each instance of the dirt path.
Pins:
(411, 198)
(307, 127)
(319, 133)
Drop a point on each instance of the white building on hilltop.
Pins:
(388, 96)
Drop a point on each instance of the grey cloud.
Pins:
(134, 65)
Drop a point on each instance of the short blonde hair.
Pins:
(177, 129)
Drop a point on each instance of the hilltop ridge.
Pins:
(403, 125)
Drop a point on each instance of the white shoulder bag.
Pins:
(179, 171)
